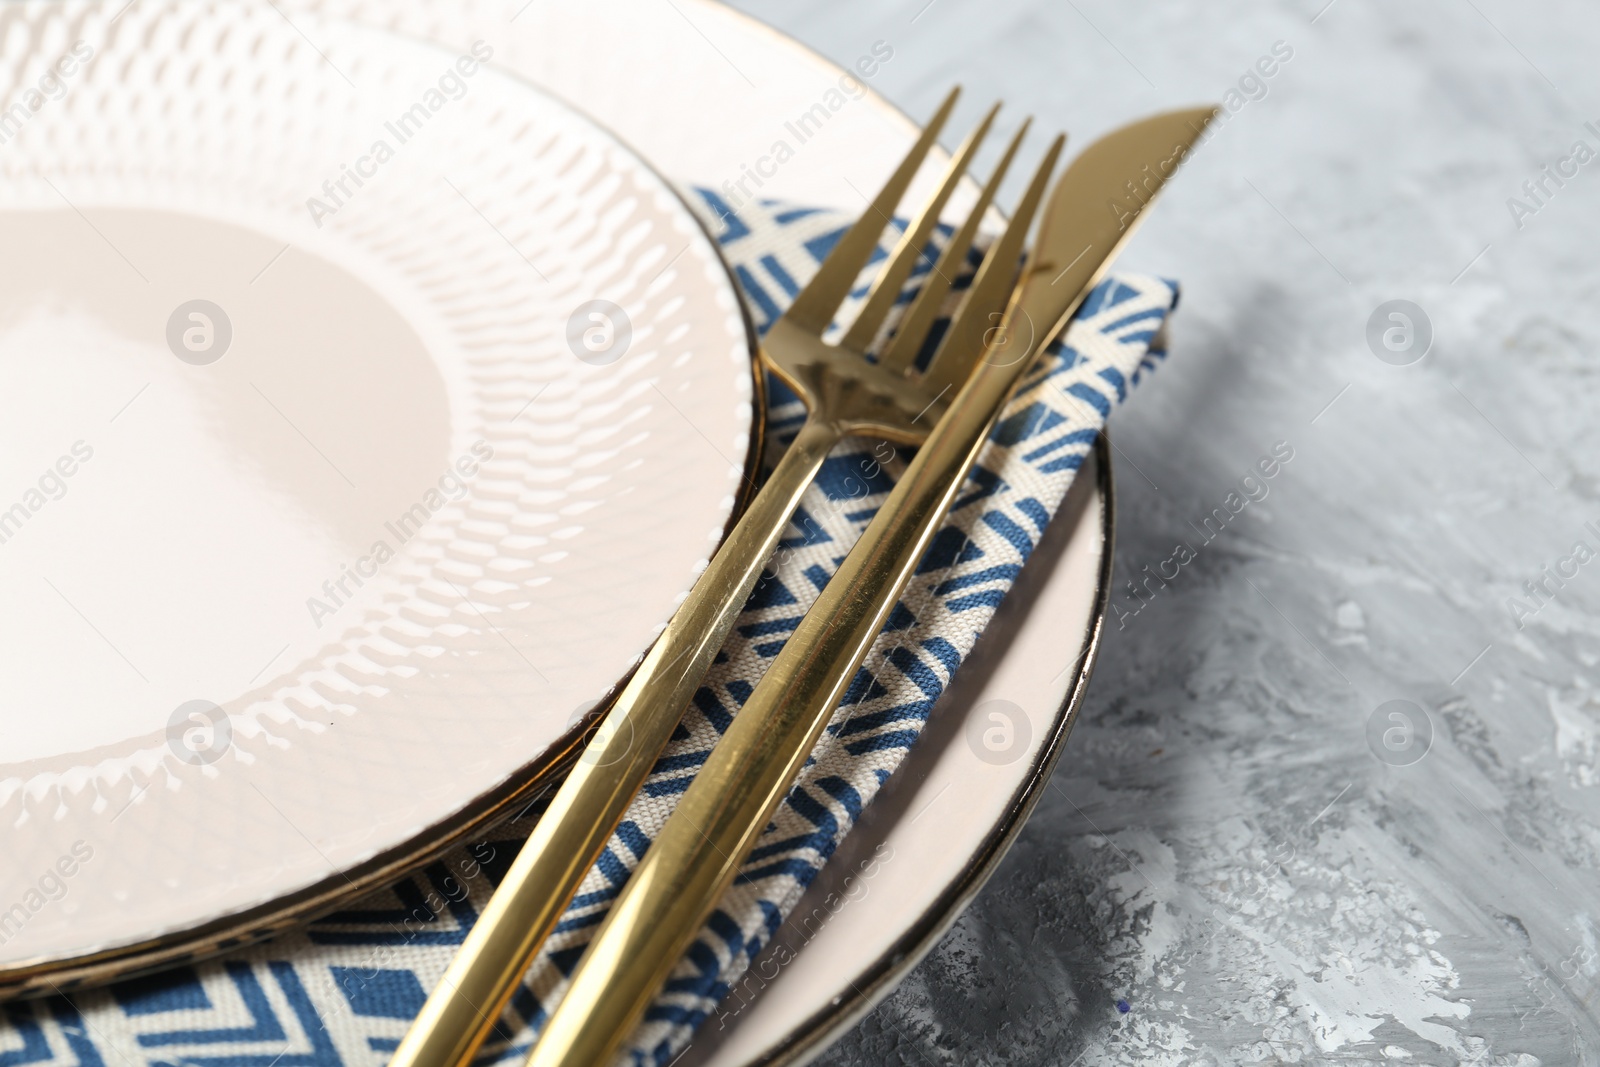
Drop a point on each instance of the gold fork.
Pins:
(697, 854)
(844, 393)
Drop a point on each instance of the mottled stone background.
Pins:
(1247, 877)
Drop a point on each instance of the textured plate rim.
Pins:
(522, 788)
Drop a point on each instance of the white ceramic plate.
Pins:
(651, 71)
(703, 92)
(333, 481)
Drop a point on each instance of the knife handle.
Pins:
(569, 837)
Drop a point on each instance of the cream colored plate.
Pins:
(652, 71)
(705, 92)
(365, 413)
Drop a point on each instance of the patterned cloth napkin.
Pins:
(342, 990)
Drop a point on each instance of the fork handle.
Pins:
(463, 1008)
(731, 801)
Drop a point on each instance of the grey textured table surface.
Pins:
(1241, 845)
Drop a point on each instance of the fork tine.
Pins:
(919, 318)
(813, 309)
(963, 344)
(887, 286)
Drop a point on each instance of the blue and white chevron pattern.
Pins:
(343, 990)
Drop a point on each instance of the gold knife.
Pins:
(1094, 208)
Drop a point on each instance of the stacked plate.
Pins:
(330, 508)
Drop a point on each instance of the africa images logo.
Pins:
(452, 85)
(452, 487)
(50, 886)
